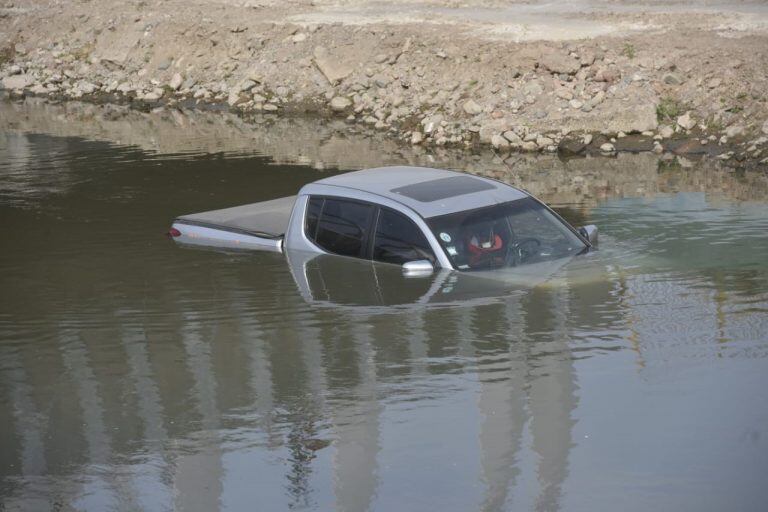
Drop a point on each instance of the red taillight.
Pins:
(173, 233)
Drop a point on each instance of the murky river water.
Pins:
(135, 374)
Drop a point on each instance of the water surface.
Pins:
(135, 374)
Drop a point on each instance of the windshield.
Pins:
(504, 235)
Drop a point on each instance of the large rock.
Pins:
(606, 74)
(734, 131)
(543, 141)
(490, 128)
(558, 62)
(499, 142)
(115, 46)
(588, 57)
(17, 82)
(598, 99)
(255, 75)
(673, 79)
(513, 138)
(247, 84)
(471, 107)
(237, 97)
(533, 88)
(340, 104)
(714, 83)
(154, 95)
(332, 68)
(86, 87)
(614, 116)
(431, 123)
(666, 131)
(765, 128)
(572, 145)
(39, 89)
(642, 119)
(176, 81)
(686, 121)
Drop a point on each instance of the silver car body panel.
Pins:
(295, 237)
(257, 226)
(191, 234)
(268, 219)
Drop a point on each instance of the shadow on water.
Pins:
(140, 375)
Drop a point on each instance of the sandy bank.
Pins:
(568, 77)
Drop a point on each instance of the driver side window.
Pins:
(398, 240)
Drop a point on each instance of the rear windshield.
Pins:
(516, 233)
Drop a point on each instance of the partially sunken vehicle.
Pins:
(416, 217)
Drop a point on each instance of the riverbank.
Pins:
(686, 79)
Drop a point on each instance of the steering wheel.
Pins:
(517, 254)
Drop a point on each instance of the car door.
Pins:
(340, 226)
(397, 239)
(359, 229)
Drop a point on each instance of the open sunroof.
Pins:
(443, 188)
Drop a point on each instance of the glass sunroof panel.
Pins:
(443, 188)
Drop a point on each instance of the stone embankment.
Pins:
(682, 89)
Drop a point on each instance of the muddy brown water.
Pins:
(135, 374)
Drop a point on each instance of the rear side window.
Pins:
(398, 240)
(342, 226)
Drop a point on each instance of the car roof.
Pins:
(430, 192)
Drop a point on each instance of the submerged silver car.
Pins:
(420, 218)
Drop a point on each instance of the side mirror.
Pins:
(417, 268)
(590, 233)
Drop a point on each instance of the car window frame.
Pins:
(372, 241)
(587, 245)
(365, 242)
(369, 235)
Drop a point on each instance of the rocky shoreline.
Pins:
(596, 96)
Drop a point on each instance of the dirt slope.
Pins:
(531, 76)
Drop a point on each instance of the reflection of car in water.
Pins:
(416, 217)
(324, 280)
